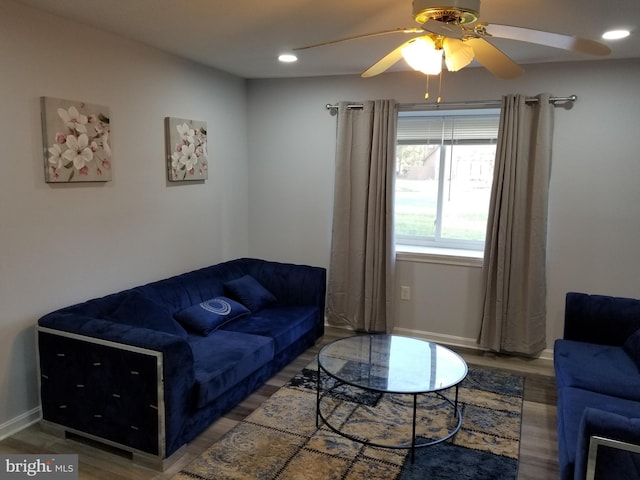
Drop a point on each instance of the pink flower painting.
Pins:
(76, 141)
(186, 149)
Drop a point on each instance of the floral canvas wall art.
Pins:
(76, 141)
(186, 149)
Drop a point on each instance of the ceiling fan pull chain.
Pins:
(426, 95)
(439, 88)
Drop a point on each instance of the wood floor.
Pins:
(538, 448)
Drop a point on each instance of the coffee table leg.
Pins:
(455, 410)
(413, 432)
(318, 399)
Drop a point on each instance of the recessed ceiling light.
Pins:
(288, 58)
(615, 34)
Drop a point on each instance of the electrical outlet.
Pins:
(405, 292)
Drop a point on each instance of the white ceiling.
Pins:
(244, 37)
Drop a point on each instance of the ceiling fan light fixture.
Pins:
(457, 54)
(422, 55)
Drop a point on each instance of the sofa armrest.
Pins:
(607, 442)
(600, 318)
(176, 356)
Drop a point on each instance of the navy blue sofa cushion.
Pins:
(206, 317)
(632, 347)
(251, 293)
(600, 368)
(140, 311)
(283, 324)
(600, 319)
(224, 359)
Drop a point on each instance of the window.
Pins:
(444, 172)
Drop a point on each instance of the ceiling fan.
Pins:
(451, 31)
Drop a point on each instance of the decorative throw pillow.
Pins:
(208, 316)
(248, 291)
(139, 311)
(632, 347)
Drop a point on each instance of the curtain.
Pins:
(514, 275)
(361, 271)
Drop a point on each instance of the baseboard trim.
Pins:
(455, 341)
(20, 422)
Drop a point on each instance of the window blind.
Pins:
(436, 129)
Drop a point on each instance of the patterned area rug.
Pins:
(279, 440)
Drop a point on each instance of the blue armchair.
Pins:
(597, 366)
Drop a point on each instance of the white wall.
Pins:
(61, 244)
(594, 218)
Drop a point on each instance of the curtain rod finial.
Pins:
(333, 109)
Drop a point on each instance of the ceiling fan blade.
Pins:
(565, 42)
(385, 62)
(365, 35)
(451, 30)
(494, 60)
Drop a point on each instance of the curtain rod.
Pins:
(488, 103)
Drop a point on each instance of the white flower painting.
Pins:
(186, 149)
(76, 141)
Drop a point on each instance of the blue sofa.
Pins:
(597, 367)
(149, 368)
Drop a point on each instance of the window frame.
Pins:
(437, 245)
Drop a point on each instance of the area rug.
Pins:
(279, 440)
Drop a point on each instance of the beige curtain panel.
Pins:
(360, 287)
(514, 313)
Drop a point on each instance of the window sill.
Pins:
(444, 256)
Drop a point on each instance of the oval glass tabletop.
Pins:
(392, 364)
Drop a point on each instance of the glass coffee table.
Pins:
(391, 364)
